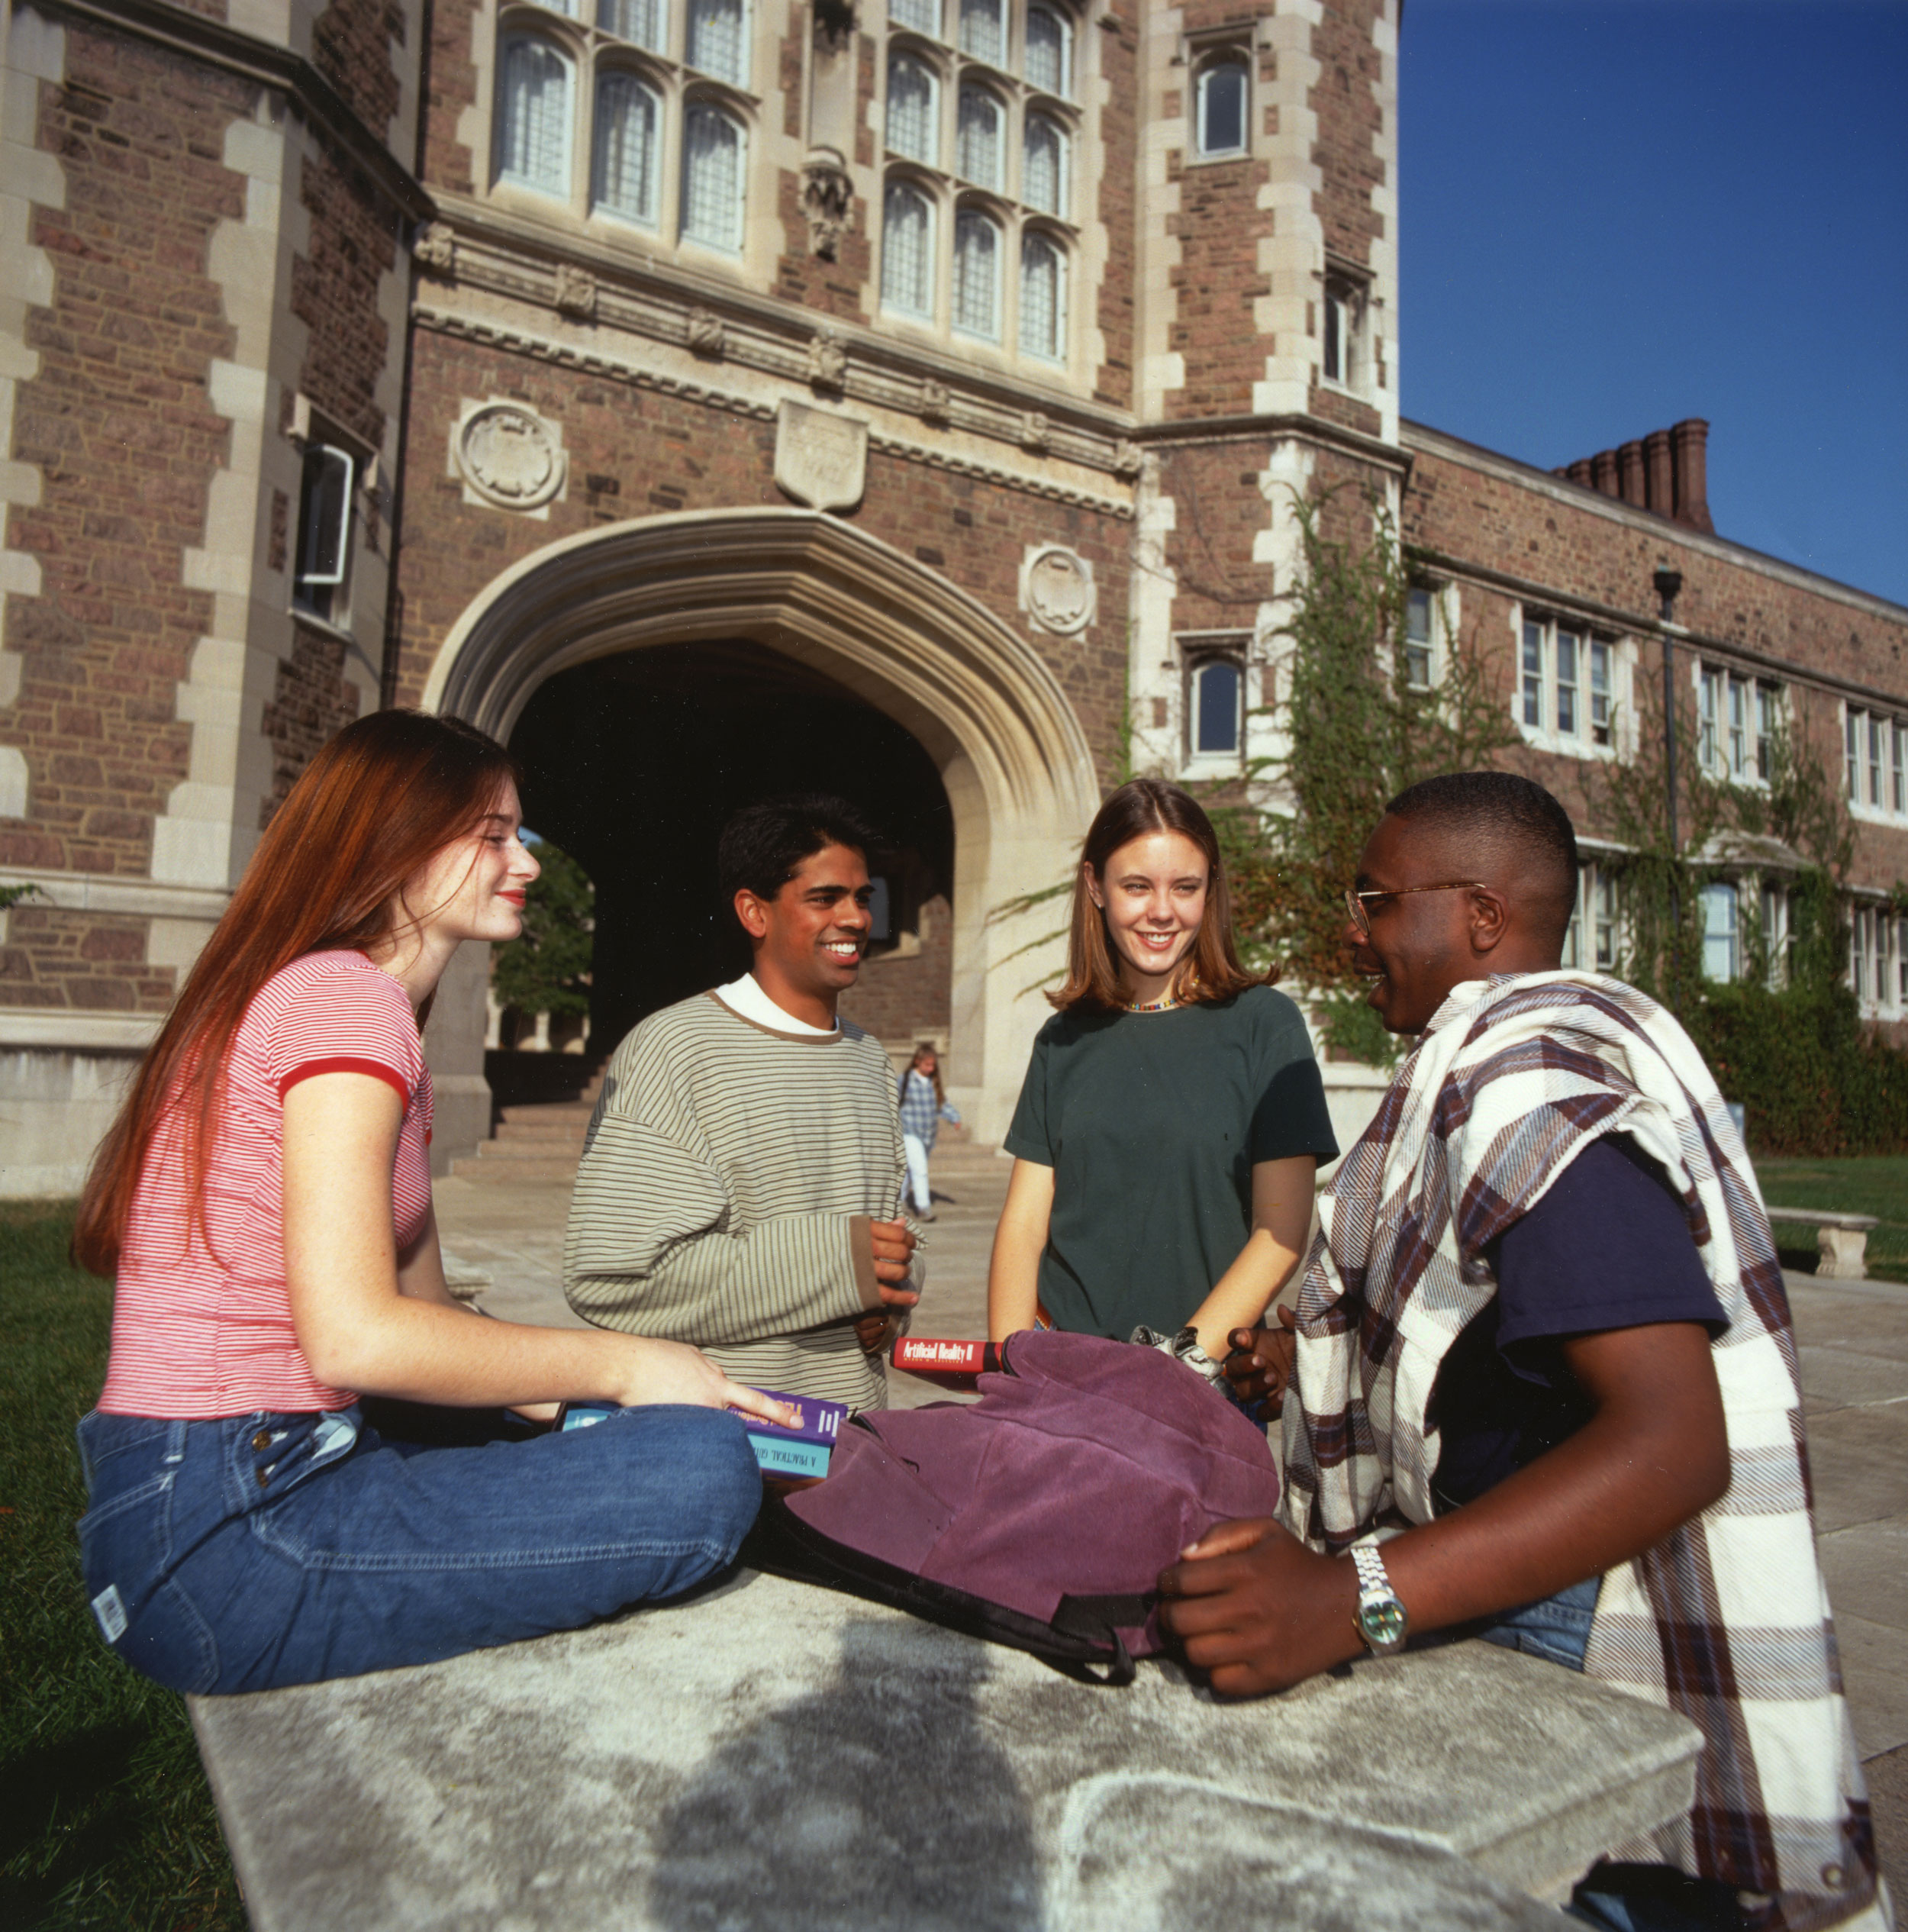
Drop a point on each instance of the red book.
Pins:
(921, 1355)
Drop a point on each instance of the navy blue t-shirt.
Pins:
(1607, 1247)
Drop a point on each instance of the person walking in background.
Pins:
(1172, 1118)
(924, 1105)
(741, 1182)
(263, 1204)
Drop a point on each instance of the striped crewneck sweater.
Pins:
(728, 1180)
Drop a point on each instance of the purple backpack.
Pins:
(1040, 1516)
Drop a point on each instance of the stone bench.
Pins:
(1842, 1239)
(770, 1756)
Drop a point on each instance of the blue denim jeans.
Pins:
(1556, 1629)
(267, 1549)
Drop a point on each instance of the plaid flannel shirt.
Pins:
(921, 1114)
(1727, 1620)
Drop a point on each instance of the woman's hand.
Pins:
(1013, 1272)
(673, 1372)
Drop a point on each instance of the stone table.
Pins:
(770, 1756)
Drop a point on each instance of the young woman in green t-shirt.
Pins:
(1172, 1119)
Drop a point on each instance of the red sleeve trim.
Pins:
(377, 1069)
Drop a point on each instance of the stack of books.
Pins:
(801, 1448)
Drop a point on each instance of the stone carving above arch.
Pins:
(509, 457)
(821, 458)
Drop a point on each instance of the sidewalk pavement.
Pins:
(1853, 1337)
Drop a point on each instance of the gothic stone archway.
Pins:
(1011, 754)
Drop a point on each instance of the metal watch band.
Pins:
(1371, 1567)
(1380, 1619)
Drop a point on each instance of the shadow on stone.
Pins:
(879, 1802)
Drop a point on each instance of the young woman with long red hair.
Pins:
(1172, 1118)
(263, 1204)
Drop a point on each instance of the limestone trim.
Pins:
(1416, 437)
(66, 1028)
(1371, 449)
(35, 52)
(619, 369)
(493, 254)
(78, 892)
(231, 49)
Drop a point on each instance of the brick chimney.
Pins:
(1690, 443)
(1665, 473)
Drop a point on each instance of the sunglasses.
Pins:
(1355, 901)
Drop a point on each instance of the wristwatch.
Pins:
(1379, 1618)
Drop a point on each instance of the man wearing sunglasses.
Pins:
(1542, 1385)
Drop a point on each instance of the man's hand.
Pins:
(1261, 1361)
(1257, 1610)
(875, 1331)
(894, 1245)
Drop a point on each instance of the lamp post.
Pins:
(1668, 583)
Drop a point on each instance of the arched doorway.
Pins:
(632, 763)
(879, 628)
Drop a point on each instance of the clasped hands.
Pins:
(893, 1243)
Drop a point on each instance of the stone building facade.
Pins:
(709, 396)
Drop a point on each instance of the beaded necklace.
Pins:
(1160, 1005)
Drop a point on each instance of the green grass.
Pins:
(105, 1819)
(1868, 1184)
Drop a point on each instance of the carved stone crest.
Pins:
(827, 360)
(821, 459)
(1057, 589)
(707, 336)
(1129, 460)
(1034, 433)
(827, 200)
(509, 457)
(435, 248)
(575, 290)
(936, 403)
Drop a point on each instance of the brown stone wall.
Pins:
(334, 291)
(636, 453)
(1348, 124)
(910, 998)
(309, 703)
(1216, 281)
(118, 424)
(91, 960)
(450, 86)
(1218, 510)
(351, 45)
(1116, 309)
(829, 288)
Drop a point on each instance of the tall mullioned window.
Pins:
(1876, 756)
(633, 112)
(1566, 684)
(1220, 97)
(1736, 723)
(977, 233)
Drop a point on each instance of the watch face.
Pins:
(1382, 1619)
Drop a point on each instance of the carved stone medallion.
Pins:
(821, 459)
(1057, 589)
(509, 457)
(936, 403)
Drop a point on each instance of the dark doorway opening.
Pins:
(633, 764)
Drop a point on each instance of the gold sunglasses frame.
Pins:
(1354, 900)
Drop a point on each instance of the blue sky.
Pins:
(1614, 215)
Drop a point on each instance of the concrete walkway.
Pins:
(1855, 1359)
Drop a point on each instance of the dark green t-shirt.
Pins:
(1151, 1123)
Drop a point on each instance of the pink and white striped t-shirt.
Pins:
(200, 1331)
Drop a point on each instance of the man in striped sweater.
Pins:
(741, 1179)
